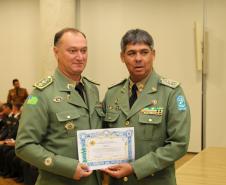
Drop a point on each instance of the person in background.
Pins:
(1, 115)
(58, 107)
(157, 109)
(17, 95)
(6, 115)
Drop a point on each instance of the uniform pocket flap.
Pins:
(100, 112)
(67, 115)
(150, 119)
(111, 116)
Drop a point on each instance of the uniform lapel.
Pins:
(75, 99)
(123, 99)
(64, 85)
(145, 97)
(91, 96)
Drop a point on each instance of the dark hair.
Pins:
(9, 105)
(60, 33)
(15, 80)
(135, 36)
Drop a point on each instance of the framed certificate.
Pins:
(100, 148)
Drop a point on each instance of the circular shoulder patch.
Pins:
(181, 104)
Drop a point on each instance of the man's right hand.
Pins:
(82, 170)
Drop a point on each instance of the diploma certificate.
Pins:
(100, 148)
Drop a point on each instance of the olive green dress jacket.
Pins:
(161, 120)
(47, 137)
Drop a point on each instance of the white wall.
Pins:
(54, 15)
(19, 49)
(172, 27)
(26, 34)
(216, 73)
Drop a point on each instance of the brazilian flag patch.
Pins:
(32, 100)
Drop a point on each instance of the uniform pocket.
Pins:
(67, 115)
(149, 123)
(68, 119)
(100, 112)
(111, 117)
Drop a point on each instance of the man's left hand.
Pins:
(119, 171)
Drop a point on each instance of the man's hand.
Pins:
(9, 142)
(82, 170)
(119, 171)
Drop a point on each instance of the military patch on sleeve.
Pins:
(44, 83)
(32, 100)
(181, 104)
(168, 82)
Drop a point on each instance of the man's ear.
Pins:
(153, 51)
(122, 57)
(55, 50)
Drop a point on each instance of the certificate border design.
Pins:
(83, 136)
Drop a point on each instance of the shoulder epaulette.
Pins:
(91, 81)
(42, 84)
(113, 85)
(169, 82)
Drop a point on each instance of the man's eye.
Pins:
(131, 54)
(71, 50)
(144, 52)
(83, 51)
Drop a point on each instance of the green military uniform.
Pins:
(47, 132)
(161, 120)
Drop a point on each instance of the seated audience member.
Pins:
(8, 135)
(6, 132)
(10, 165)
(17, 95)
(16, 111)
(5, 116)
(1, 115)
(1, 107)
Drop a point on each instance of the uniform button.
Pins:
(150, 120)
(109, 117)
(127, 123)
(68, 117)
(48, 161)
(152, 174)
(125, 179)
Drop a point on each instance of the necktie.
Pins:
(79, 88)
(133, 96)
(17, 91)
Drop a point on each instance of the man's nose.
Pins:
(138, 57)
(79, 55)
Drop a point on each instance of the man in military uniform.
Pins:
(157, 109)
(59, 106)
(17, 95)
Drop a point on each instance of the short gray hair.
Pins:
(135, 36)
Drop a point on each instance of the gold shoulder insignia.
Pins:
(44, 83)
(169, 82)
(90, 81)
(113, 85)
